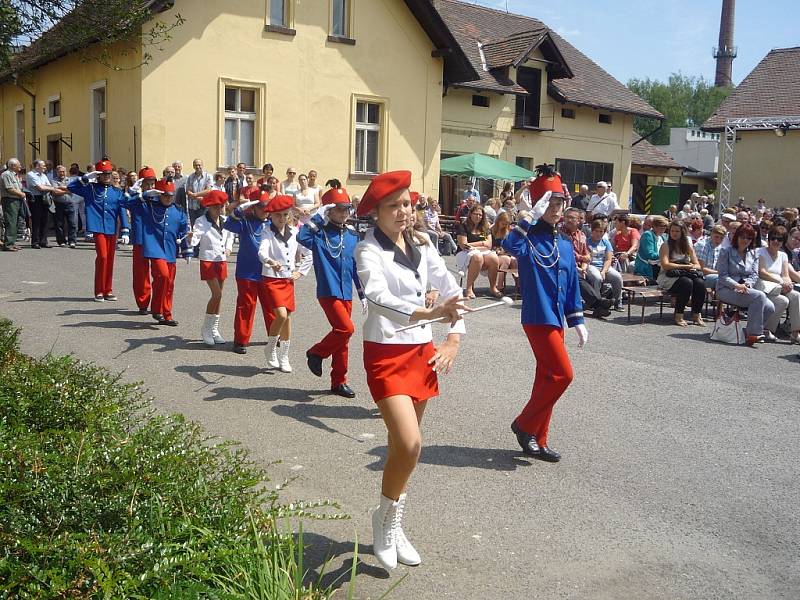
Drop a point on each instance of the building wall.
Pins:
(467, 128)
(71, 78)
(765, 167)
(307, 85)
(694, 148)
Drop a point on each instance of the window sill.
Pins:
(362, 176)
(341, 39)
(531, 128)
(280, 29)
(54, 119)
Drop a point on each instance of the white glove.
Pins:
(583, 335)
(125, 239)
(541, 206)
(151, 194)
(137, 187)
(323, 211)
(92, 177)
(248, 204)
(364, 306)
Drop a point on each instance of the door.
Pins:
(54, 149)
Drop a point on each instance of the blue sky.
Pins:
(653, 38)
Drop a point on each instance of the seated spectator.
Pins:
(447, 245)
(708, 220)
(592, 299)
(774, 281)
(421, 226)
(625, 241)
(602, 256)
(792, 248)
(475, 251)
(707, 251)
(491, 208)
(499, 231)
(696, 232)
(685, 212)
(648, 260)
(763, 230)
(510, 207)
(463, 210)
(681, 275)
(738, 275)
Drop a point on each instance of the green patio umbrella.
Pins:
(483, 167)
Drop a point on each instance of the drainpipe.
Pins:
(15, 76)
(644, 137)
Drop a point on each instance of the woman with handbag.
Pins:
(774, 281)
(738, 275)
(681, 274)
(647, 262)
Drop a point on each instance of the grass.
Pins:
(101, 498)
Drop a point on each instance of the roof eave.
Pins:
(559, 97)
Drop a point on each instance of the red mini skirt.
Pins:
(280, 291)
(210, 269)
(400, 369)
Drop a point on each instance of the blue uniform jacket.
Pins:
(334, 267)
(160, 227)
(250, 231)
(137, 224)
(549, 296)
(103, 206)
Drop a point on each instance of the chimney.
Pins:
(726, 51)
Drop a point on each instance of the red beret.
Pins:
(544, 184)
(104, 166)
(165, 186)
(214, 198)
(146, 173)
(280, 203)
(335, 196)
(255, 194)
(383, 185)
(414, 198)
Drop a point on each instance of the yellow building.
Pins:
(537, 99)
(346, 87)
(766, 147)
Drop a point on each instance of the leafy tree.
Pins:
(684, 100)
(93, 26)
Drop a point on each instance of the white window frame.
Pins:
(348, 19)
(288, 14)
(380, 127)
(50, 101)
(94, 151)
(19, 143)
(260, 89)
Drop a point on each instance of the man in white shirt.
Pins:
(198, 184)
(38, 185)
(180, 185)
(602, 203)
(523, 196)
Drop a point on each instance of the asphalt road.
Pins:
(680, 466)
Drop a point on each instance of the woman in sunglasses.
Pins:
(774, 281)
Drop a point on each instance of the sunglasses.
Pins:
(777, 239)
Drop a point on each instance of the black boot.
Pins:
(526, 441)
(314, 363)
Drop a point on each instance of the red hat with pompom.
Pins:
(104, 166)
(336, 196)
(147, 173)
(166, 186)
(547, 180)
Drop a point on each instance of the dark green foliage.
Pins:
(101, 498)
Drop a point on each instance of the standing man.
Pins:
(12, 199)
(602, 202)
(39, 187)
(103, 210)
(523, 196)
(180, 186)
(581, 201)
(333, 243)
(197, 185)
(66, 209)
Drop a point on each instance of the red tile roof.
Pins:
(645, 154)
(772, 89)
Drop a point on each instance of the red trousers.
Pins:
(335, 343)
(104, 246)
(163, 286)
(553, 376)
(250, 292)
(141, 277)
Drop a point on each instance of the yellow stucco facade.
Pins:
(490, 130)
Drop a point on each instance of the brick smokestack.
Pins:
(726, 51)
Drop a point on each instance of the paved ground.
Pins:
(680, 469)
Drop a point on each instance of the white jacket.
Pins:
(213, 243)
(286, 251)
(395, 287)
(604, 205)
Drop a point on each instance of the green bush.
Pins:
(99, 497)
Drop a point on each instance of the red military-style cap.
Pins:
(335, 196)
(166, 186)
(380, 187)
(280, 203)
(104, 166)
(214, 198)
(147, 173)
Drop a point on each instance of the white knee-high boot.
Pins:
(272, 352)
(383, 533)
(406, 553)
(218, 339)
(206, 332)
(284, 361)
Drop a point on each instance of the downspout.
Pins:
(15, 77)
(644, 137)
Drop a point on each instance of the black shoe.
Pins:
(240, 349)
(168, 322)
(343, 390)
(548, 455)
(315, 364)
(158, 316)
(526, 441)
(143, 311)
(36, 246)
(110, 298)
(599, 313)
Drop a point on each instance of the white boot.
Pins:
(272, 352)
(218, 339)
(383, 533)
(406, 553)
(285, 366)
(206, 332)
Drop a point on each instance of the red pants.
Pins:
(249, 293)
(104, 246)
(163, 286)
(553, 376)
(141, 277)
(335, 343)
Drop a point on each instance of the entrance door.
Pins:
(54, 149)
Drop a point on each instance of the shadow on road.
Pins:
(56, 299)
(704, 336)
(791, 357)
(495, 459)
(312, 413)
(129, 325)
(164, 343)
(102, 311)
(322, 553)
(265, 394)
(197, 372)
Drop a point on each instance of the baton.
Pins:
(504, 301)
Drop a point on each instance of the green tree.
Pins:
(34, 28)
(685, 101)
